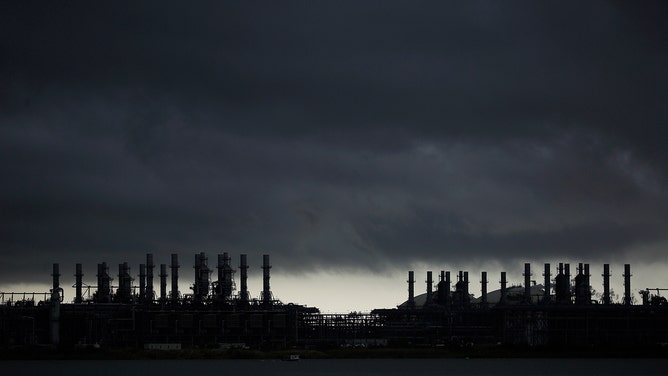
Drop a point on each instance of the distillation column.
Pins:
(267, 297)
(627, 284)
(149, 278)
(606, 284)
(103, 284)
(430, 283)
(411, 289)
(243, 276)
(78, 283)
(527, 283)
(56, 293)
(142, 282)
(175, 278)
(547, 283)
(483, 289)
(163, 283)
(504, 291)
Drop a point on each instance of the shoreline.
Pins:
(480, 352)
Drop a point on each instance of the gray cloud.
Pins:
(351, 136)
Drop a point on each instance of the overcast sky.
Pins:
(340, 137)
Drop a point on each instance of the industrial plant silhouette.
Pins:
(555, 314)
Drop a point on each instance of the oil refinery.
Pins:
(560, 312)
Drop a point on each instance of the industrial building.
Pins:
(215, 314)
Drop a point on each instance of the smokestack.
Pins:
(201, 287)
(56, 281)
(175, 278)
(149, 278)
(502, 299)
(103, 283)
(448, 286)
(546, 273)
(219, 289)
(243, 269)
(587, 283)
(228, 281)
(124, 293)
(430, 283)
(142, 282)
(567, 272)
(267, 297)
(163, 283)
(411, 289)
(527, 283)
(55, 306)
(78, 278)
(466, 298)
(483, 289)
(606, 284)
(627, 284)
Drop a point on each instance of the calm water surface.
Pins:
(386, 367)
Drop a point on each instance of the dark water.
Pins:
(385, 367)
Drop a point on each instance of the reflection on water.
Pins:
(386, 367)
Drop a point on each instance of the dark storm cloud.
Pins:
(352, 134)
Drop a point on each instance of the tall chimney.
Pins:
(228, 281)
(627, 284)
(466, 298)
(78, 283)
(606, 284)
(175, 278)
(430, 283)
(219, 288)
(502, 299)
(411, 289)
(163, 283)
(483, 289)
(56, 281)
(546, 273)
(448, 285)
(149, 277)
(527, 283)
(587, 283)
(267, 297)
(243, 269)
(103, 283)
(142, 282)
(55, 306)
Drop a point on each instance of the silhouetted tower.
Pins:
(483, 289)
(442, 290)
(54, 314)
(581, 287)
(124, 292)
(78, 283)
(142, 282)
(627, 284)
(201, 286)
(163, 283)
(466, 298)
(267, 297)
(606, 284)
(103, 284)
(243, 271)
(411, 289)
(562, 286)
(175, 294)
(504, 290)
(150, 295)
(527, 283)
(228, 277)
(430, 283)
(547, 283)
